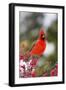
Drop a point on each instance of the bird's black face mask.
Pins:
(43, 36)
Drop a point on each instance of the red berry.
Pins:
(33, 62)
(21, 57)
(33, 73)
(54, 72)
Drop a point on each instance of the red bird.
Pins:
(39, 47)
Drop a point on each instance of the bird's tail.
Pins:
(27, 56)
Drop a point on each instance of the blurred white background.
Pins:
(4, 44)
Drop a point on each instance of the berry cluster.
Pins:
(27, 69)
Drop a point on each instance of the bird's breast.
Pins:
(39, 47)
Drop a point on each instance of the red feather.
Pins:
(39, 46)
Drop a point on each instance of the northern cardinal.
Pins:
(39, 47)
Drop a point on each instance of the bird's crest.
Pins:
(41, 31)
